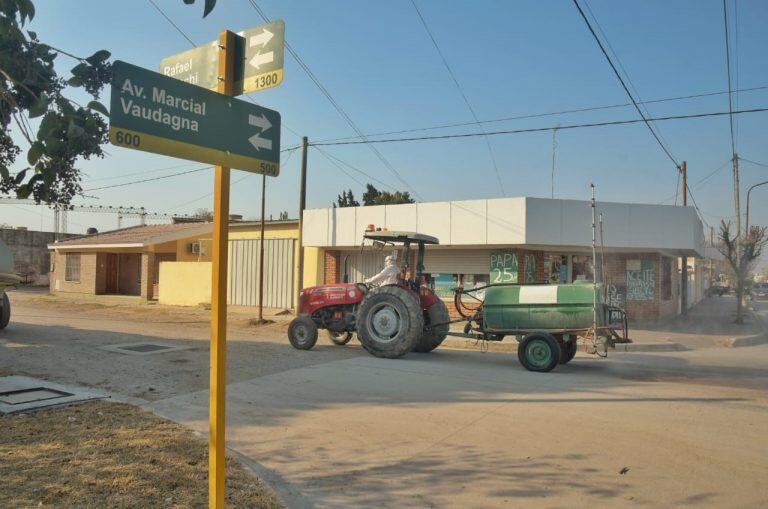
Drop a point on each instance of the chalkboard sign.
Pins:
(503, 267)
(640, 280)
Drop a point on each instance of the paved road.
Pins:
(335, 428)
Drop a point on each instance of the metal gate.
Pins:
(244, 273)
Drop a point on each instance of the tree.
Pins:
(373, 196)
(370, 194)
(204, 214)
(347, 199)
(30, 88)
(741, 257)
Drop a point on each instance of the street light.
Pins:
(749, 191)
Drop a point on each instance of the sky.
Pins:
(511, 58)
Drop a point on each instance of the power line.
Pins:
(624, 71)
(206, 195)
(335, 104)
(701, 181)
(155, 170)
(546, 114)
(463, 95)
(358, 170)
(753, 162)
(345, 172)
(728, 69)
(540, 129)
(624, 86)
(148, 180)
(169, 20)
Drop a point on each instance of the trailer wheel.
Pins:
(5, 312)
(339, 338)
(539, 351)
(568, 351)
(389, 322)
(433, 337)
(302, 333)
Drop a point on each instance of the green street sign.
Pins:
(259, 56)
(155, 113)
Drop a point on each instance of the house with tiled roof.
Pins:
(124, 261)
(171, 263)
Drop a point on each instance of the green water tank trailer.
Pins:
(511, 308)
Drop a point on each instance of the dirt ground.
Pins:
(103, 454)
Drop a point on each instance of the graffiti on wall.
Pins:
(616, 296)
(530, 269)
(640, 280)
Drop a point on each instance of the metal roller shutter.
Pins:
(244, 273)
(362, 265)
(457, 261)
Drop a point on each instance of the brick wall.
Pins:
(88, 271)
(332, 268)
(148, 267)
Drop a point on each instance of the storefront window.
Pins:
(557, 268)
(443, 284)
(581, 268)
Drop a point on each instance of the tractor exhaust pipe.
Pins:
(345, 278)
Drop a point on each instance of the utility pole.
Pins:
(736, 198)
(684, 267)
(261, 248)
(302, 206)
(218, 348)
(554, 147)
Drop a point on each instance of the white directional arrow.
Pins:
(260, 121)
(257, 141)
(260, 40)
(260, 143)
(260, 59)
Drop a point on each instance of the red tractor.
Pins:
(390, 320)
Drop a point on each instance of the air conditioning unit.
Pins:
(195, 247)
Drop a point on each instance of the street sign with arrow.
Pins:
(155, 113)
(258, 61)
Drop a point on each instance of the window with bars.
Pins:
(72, 271)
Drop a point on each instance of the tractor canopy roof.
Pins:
(400, 237)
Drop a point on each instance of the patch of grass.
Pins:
(103, 454)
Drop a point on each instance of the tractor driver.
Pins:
(389, 275)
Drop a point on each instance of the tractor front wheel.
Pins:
(339, 338)
(5, 311)
(302, 333)
(539, 351)
(389, 322)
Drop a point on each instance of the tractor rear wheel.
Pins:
(5, 311)
(389, 322)
(433, 336)
(302, 333)
(339, 338)
(539, 351)
(568, 351)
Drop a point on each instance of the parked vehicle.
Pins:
(760, 291)
(396, 319)
(7, 278)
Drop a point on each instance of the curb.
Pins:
(756, 339)
(650, 347)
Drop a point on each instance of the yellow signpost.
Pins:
(218, 383)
